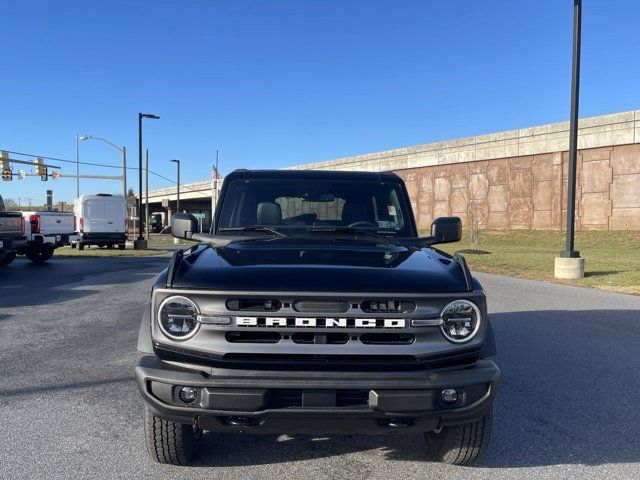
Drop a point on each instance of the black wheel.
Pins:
(80, 246)
(170, 442)
(73, 245)
(110, 246)
(460, 444)
(121, 246)
(40, 254)
(6, 258)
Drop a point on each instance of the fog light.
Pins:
(449, 395)
(188, 394)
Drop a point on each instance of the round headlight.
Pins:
(461, 321)
(178, 318)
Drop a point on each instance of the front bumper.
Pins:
(316, 402)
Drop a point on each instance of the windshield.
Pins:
(301, 206)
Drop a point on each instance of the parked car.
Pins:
(314, 307)
(102, 220)
(11, 234)
(46, 231)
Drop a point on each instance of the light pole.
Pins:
(123, 151)
(177, 162)
(78, 138)
(569, 264)
(140, 243)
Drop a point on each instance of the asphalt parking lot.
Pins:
(69, 408)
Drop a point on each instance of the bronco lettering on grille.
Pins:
(306, 322)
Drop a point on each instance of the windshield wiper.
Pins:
(254, 228)
(346, 229)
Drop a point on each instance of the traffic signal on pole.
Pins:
(7, 175)
(41, 169)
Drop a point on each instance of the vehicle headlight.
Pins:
(178, 318)
(461, 321)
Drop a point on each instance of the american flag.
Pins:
(215, 174)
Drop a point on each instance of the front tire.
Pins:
(41, 254)
(6, 258)
(170, 442)
(460, 444)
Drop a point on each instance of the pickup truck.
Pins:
(313, 306)
(46, 231)
(11, 234)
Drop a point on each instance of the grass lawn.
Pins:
(612, 259)
(103, 252)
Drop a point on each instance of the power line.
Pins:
(44, 157)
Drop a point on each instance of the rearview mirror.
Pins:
(183, 225)
(447, 229)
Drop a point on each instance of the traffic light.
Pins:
(41, 169)
(7, 176)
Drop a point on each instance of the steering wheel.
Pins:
(363, 223)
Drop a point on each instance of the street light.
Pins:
(177, 162)
(569, 264)
(122, 150)
(78, 139)
(140, 243)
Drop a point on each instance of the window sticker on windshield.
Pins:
(387, 225)
(392, 210)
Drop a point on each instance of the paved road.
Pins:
(69, 407)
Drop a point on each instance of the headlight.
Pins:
(461, 321)
(178, 318)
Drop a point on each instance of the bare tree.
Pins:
(475, 216)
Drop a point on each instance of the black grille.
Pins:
(387, 306)
(352, 398)
(326, 306)
(387, 338)
(253, 337)
(285, 398)
(253, 305)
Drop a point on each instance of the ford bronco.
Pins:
(313, 306)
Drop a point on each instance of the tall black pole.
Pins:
(140, 237)
(569, 251)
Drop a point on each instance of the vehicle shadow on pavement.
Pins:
(61, 280)
(571, 380)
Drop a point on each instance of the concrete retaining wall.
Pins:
(530, 191)
(518, 178)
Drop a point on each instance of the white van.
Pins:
(102, 220)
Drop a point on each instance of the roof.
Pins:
(314, 174)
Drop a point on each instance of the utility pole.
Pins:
(146, 194)
(569, 264)
(215, 190)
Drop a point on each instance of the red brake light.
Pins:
(34, 220)
(22, 226)
(81, 225)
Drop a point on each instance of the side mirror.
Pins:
(183, 225)
(447, 229)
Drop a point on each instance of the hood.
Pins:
(319, 266)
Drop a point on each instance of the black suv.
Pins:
(313, 306)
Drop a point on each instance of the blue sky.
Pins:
(275, 83)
